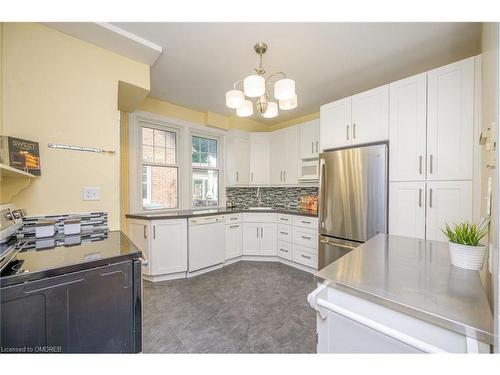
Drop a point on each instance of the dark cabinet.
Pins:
(90, 311)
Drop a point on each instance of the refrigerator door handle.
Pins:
(321, 189)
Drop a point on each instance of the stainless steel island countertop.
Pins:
(415, 277)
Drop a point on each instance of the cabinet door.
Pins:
(251, 239)
(291, 151)
(407, 128)
(309, 140)
(447, 202)
(234, 241)
(268, 240)
(335, 124)
(259, 158)
(168, 246)
(450, 123)
(370, 115)
(139, 233)
(407, 209)
(277, 157)
(238, 161)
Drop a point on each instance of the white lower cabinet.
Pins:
(285, 250)
(234, 240)
(163, 243)
(305, 255)
(259, 239)
(421, 209)
(349, 324)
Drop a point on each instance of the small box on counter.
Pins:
(20, 154)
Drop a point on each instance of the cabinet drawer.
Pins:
(259, 217)
(285, 250)
(304, 256)
(305, 222)
(284, 219)
(305, 237)
(233, 218)
(285, 232)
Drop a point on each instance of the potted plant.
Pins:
(465, 249)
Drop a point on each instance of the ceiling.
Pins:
(328, 61)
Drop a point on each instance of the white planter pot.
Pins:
(469, 257)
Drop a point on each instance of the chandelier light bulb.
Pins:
(235, 98)
(272, 110)
(289, 104)
(254, 86)
(246, 109)
(284, 89)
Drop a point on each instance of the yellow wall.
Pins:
(294, 121)
(58, 89)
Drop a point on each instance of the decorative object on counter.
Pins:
(80, 148)
(277, 197)
(45, 228)
(89, 222)
(21, 154)
(465, 249)
(72, 226)
(256, 86)
(309, 202)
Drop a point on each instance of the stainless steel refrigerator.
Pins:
(353, 198)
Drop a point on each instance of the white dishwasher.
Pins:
(207, 242)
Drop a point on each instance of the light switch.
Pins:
(91, 193)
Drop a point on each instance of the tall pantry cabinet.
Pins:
(431, 142)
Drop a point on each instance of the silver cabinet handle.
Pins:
(305, 222)
(251, 176)
(284, 219)
(261, 232)
(419, 197)
(420, 164)
(281, 232)
(430, 163)
(234, 226)
(145, 233)
(284, 175)
(317, 146)
(430, 198)
(286, 251)
(306, 238)
(257, 232)
(347, 132)
(281, 175)
(237, 176)
(154, 231)
(305, 256)
(312, 147)
(233, 218)
(354, 131)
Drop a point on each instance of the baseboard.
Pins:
(204, 270)
(170, 276)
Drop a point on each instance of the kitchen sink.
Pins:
(260, 208)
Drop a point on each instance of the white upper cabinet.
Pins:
(237, 161)
(284, 162)
(450, 121)
(335, 124)
(447, 202)
(370, 115)
(407, 128)
(361, 118)
(259, 158)
(309, 140)
(407, 209)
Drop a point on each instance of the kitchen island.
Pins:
(399, 294)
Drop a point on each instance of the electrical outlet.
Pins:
(91, 193)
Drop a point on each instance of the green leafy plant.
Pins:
(467, 233)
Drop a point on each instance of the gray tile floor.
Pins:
(246, 307)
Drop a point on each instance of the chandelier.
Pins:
(256, 86)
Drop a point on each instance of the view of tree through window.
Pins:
(159, 168)
(205, 187)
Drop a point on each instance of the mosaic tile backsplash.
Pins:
(277, 197)
(90, 222)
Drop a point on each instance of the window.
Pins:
(205, 184)
(160, 169)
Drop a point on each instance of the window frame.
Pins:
(155, 126)
(219, 166)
